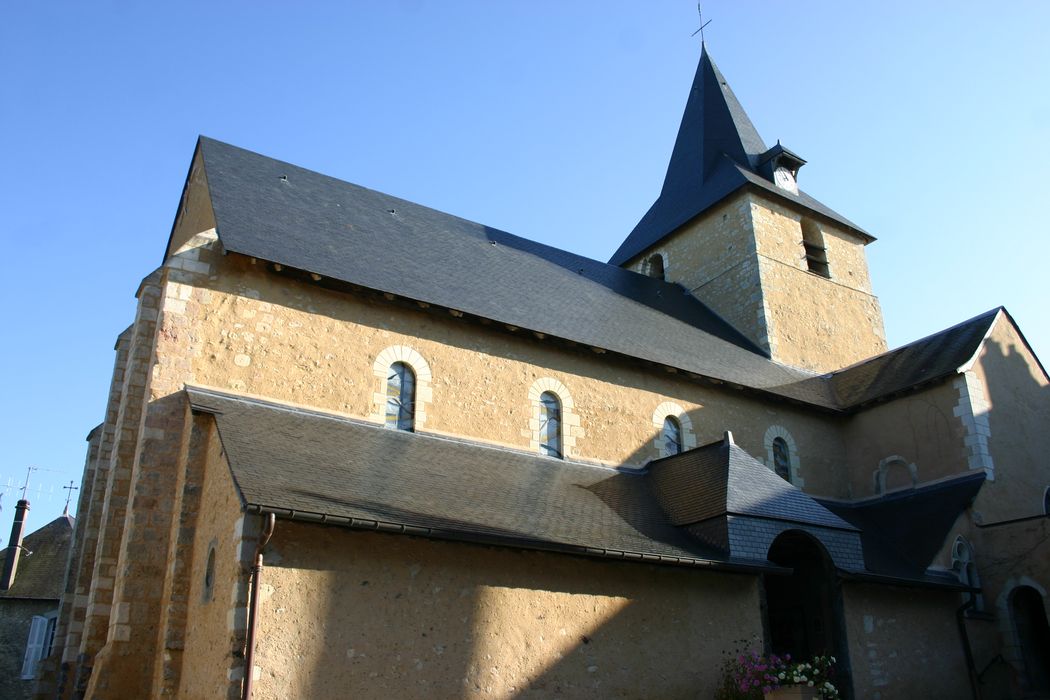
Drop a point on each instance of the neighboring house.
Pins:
(30, 590)
(474, 465)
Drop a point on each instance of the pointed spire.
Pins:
(715, 135)
(714, 123)
(717, 151)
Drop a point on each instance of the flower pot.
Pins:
(793, 692)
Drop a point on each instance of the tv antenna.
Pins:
(25, 486)
(703, 24)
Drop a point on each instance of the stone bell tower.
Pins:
(732, 227)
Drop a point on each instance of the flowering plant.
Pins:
(750, 675)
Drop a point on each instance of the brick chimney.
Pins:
(14, 547)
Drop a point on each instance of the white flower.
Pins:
(810, 684)
(782, 675)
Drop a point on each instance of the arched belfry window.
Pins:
(782, 459)
(816, 251)
(671, 438)
(656, 266)
(550, 425)
(400, 397)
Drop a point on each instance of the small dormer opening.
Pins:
(816, 252)
(655, 267)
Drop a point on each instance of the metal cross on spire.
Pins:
(71, 488)
(703, 24)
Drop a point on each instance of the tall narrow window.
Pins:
(656, 266)
(672, 437)
(550, 425)
(781, 459)
(966, 569)
(1046, 501)
(400, 397)
(816, 252)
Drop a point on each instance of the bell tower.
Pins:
(732, 226)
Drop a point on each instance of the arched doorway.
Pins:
(803, 610)
(1033, 636)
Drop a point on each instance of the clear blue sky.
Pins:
(927, 123)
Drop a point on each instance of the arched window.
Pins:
(1046, 501)
(550, 425)
(400, 397)
(656, 266)
(781, 459)
(816, 252)
(782, 455)
(671, 438)
(966, 569)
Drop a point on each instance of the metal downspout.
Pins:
(253, 601)
(971, 668)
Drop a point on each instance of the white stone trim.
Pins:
(424, 381)
(571, 429)
(1007, 626)
(879, 475)
(972, 411)
(779, 431)
(670, 408)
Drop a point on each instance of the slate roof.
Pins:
(722, 479)
(278, 212)
(297, 462)
(41, 575)
(929, 359)
(901, 532)
(717, 151)
(309, 465)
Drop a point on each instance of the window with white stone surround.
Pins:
(403, 388)
(782, 454)
(678, 418)
(554, 426)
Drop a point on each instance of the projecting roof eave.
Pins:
(728, 565)
(946, 583)
(921, 363)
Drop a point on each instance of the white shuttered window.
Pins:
(35, 646)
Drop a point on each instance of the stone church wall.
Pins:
(467, 621)
(745, 259)
(257, 332)
(814, 322)
(904, 643)
(207, 623)
(911, 440)
(1011, 399)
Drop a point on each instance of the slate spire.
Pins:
(717, 151)
(714, 124)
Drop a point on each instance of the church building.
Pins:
(356, 447)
